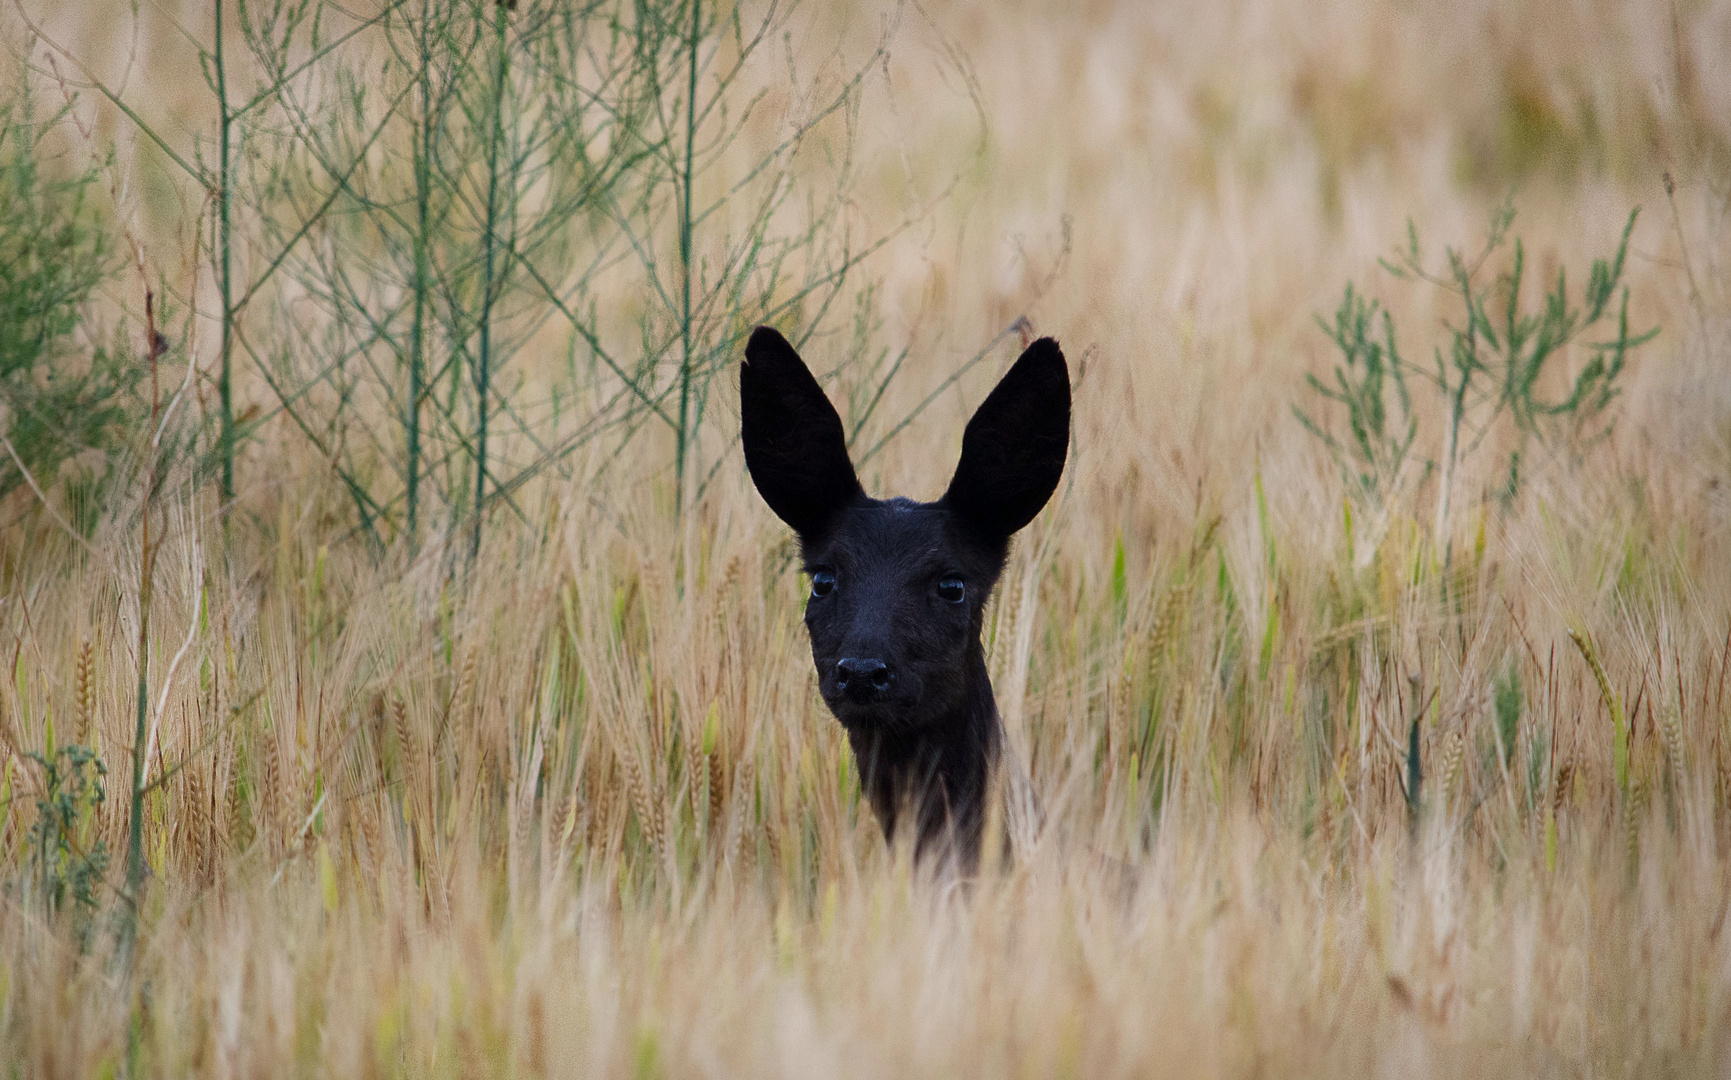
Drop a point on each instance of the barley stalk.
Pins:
(1634, 806)
(714, 789)
(568, 817)
(465, 693)
(1619, 729)
(200, 824)
(368, 813)
(400, 725)
(648, 815)
(1671, 731)
(694, 770)
(743, 785)
(461, 700)
(1564, 785)
(1453, 752)
(84, 690)
(231, 799)
(772, 839)
(706, 783)
(1165, 624)
(1265, 865)
(270, 790)
(602, 819)
(1723, 768)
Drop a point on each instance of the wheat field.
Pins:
(573, 807)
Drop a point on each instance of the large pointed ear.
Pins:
(794, 445)
(1014, 448)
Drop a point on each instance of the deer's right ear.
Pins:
(794, 444)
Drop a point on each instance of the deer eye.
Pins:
(822, 582)
(951, 590)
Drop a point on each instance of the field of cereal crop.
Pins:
(448, 676)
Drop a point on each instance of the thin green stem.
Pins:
(684, 434)
(147, 574)
(225, 273)
(489, 243)
(417, 334)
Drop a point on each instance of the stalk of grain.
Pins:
(711, 780)
(231, 800)
(197, 822)
(400, 725)
(601, 821)
(464, 696)
(568, 818)
(1634, 805)
(1564, 785)
(221, 820)
(714, 790)
(1165, 624)
(648, 816)
(1723, 767)
(462, 699)
(84, 690)
(1671, 731)
(1454, 749)
(207, 799)
(270, 788)
(695, 772)
(1620, 733)
(743, 783)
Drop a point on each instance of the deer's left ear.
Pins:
(1014, 448)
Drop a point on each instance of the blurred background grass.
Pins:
(546, 789)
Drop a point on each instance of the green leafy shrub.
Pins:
(1493, 377)
(1376, 451)
(67, 859)
(60, 395)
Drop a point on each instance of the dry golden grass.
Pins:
(474, 826)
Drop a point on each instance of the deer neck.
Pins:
(939, 772)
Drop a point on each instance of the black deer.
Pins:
(899, 588)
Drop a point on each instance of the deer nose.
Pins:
(863, 679)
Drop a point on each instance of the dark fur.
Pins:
(898, 658)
